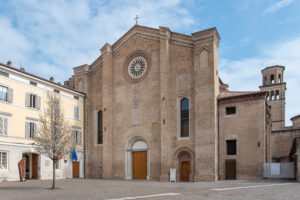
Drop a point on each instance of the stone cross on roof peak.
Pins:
(136, 19)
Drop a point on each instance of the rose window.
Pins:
(137, 67)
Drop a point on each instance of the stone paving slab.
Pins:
(90, 189)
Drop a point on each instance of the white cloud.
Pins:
(62, 34)
(278, 5)
(245, 74)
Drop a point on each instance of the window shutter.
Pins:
(74, 141)
(79, 137)
(27, 129)
(10, 95)
(5, 126)
(38, 102)
(27, 100)
(35, 129)
(1, 126)
(78, 112)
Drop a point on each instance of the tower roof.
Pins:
(273, 67)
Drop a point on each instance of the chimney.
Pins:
(52, 79)
(9, 63)
(22, 69)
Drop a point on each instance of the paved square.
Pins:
(89, 189)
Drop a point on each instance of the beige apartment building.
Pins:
(22, 100)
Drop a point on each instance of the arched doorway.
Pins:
(137, 160)
(184, 162)
(185, 171)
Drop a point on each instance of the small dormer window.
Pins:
(33, 83)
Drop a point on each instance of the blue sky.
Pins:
(49, 38)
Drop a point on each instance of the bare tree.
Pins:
(55, 138)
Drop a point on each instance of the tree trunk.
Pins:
(53, 179)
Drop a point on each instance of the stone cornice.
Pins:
(295, 117)
(286, 129)
(81, 70)
(242, 98)
(206, 36)
(165, 34)
(106, 49)
(97, 64)
(272, 67)
(272, 85)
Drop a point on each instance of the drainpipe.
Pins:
(84, 143)
(218, 135)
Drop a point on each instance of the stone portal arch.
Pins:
(184, 158)
(136, 144)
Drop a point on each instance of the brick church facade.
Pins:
(155, 101)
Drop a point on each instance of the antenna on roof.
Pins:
(20, 64)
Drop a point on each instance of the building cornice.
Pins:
(295, 117)
(165, 33)
(272, 67)
(286, 129)
(38, 78)
(242, 97)
(274, 84)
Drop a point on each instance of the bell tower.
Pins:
(273, 84)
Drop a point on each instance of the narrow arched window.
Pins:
(277, 95)
(267, 97)
(265, 81)
(272, 95)
(272, 78)
(100, 127)
(184, 117)
(279, 78)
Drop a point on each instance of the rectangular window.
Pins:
(32, 129)
(231, 147)
(4, 74)
(32, 101)
(230, 110)
(76, 97)
(100, 127)
(3, 93)
(56, 91)
(77, 137)
(76, 112)
(33, 83)
(3, 125)
(3, 160)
